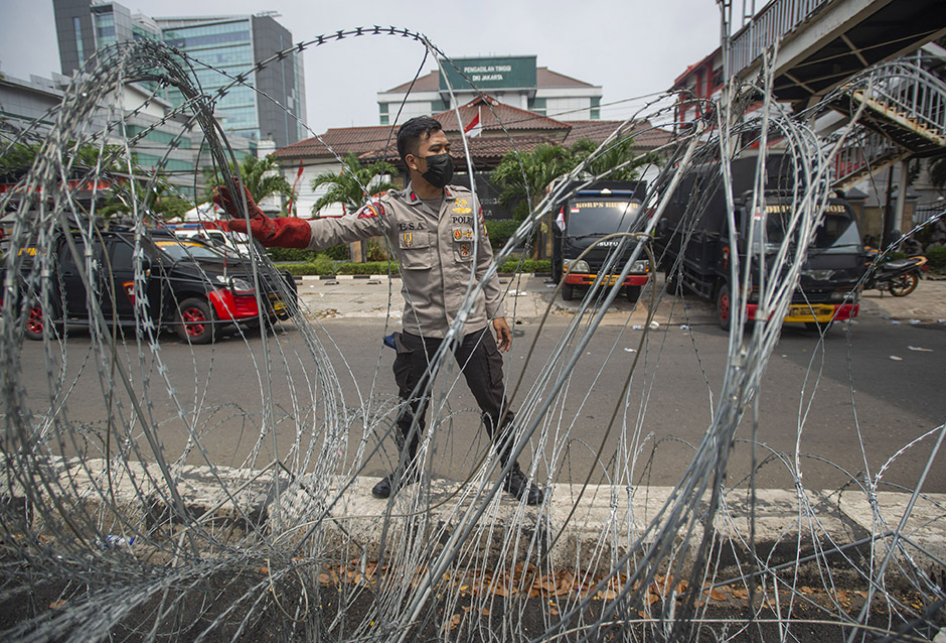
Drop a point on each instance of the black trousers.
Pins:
(482, 366)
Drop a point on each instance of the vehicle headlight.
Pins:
(640, 266)
(839, 295)
(580, 266)
(241, 285)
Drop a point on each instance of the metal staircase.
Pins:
(902, 114)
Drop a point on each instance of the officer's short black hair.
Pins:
(408, 136)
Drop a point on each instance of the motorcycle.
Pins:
(899, 276)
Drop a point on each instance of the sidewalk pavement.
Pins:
(221, 498)
(528, 297)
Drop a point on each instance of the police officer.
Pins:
(439, 236)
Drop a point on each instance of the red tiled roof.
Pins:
(428, 83)
(545, 77)
(343, 140)
(645, 135)
(526, 131)
(495, 115)
(483, 149)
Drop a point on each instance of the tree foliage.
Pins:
(260, 176)
(348, 186)
(938, 173)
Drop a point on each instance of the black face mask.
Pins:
(439, 170)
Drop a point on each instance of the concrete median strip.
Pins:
(231, 504)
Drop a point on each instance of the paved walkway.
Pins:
(529, 296)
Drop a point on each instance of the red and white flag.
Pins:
(475, 126)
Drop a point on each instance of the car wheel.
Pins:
(568, 292)
(723, 307)
(34, 323)
(197, 322)
(633, 293)
(904, 284)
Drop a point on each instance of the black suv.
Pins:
(191, 287)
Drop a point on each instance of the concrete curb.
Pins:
(303, 278)
(233, 501)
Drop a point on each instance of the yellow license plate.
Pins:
(279, 306)
(817, 312)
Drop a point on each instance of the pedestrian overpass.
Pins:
(822, 44)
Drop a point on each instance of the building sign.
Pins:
(489, 73)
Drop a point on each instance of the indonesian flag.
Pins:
(560, 220)
(475, 126)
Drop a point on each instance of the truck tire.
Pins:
(568, 292)
(904, 284)
(633, 293)
(196, 321)
(723, 307)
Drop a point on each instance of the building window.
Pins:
(383, 113)
(79, 46)
(537, 105)
(595, 108)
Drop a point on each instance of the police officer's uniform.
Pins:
(438, 248)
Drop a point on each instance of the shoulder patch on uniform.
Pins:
(371, 210)
(483, 222)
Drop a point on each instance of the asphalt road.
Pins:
(836, 413)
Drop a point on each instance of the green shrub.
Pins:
(377, 249)
(339, 252)
(499, 232)
(527, 265)
(367, 268)
(290, 254)
(322, 265)
(937, 257)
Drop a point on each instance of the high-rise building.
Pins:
(270, 106)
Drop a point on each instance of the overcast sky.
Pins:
(630, 48)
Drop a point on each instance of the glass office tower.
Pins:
(219, 48)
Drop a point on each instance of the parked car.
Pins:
(191, 288)
(213, 236)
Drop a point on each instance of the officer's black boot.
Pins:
(405, 474)
(518, 485)
(394, 482)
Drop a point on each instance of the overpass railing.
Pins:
(912, 94)
(776, 19)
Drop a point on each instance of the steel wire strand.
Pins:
(317, 483)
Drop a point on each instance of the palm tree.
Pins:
(263, 178)
(349, 186)
(609, 161)
(522, 177)
(260, 176)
